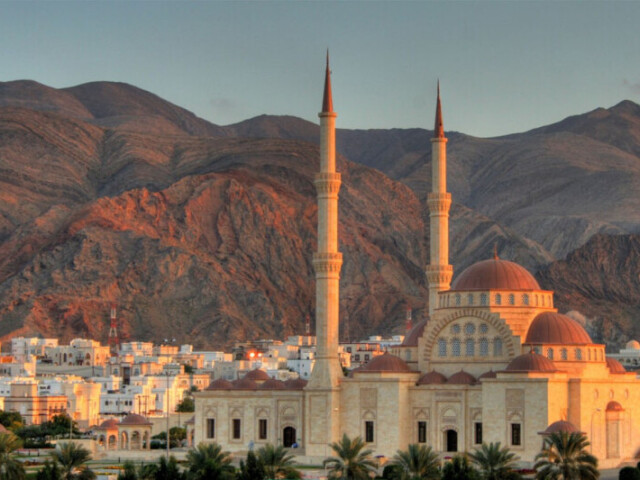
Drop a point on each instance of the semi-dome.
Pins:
(411, 340)
(461, 378)
(633, 345)
(244, 384)
(295, 384)
(135, 419)
(385, 363)
(614, 406)
(495, 274)
(555, 328)
(220, 384)
(273, 384)
(559, 427)
(432, 378)
(489, 374)
(530, 362)
(615, 366)
(257, 375)
(109, 424)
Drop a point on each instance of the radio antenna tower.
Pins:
(114, 340)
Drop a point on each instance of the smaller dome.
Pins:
(489, 374)
(633, 345)
(614, 406)
(495, 274)
(134, 419)
(244, 384)
(560, 426)
(257, 375)
(555, 328)
(273, 384)
(385, 363)
(108, 424)
(432, 378)
(530, 362)
(295, 384)
(411, 340)
(220, 384)
(461, 378)
(615, 366)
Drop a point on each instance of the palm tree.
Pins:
(564, 456)
(72, 459)
(351, 462)
(418, 462)
(459, 468)
(277, 462)
(10, 468)
(208, 461)
(495, 462)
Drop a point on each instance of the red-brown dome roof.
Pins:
(432, 378)
(614, 406)
(531, 362)
(244, 384)
(489, 374)
(257, 375)
(551, 327)
(109, 424)
(134, 419)
(411, 340)
(461, 378)
(220, 384)
(273, 384)
(615, 366)
(495, 274)
(560, 426)
(295, 384)
(385, 363)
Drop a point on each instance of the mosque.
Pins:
(493, 362)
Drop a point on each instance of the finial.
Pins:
(438, 129)
(495, 251)
(327, 100)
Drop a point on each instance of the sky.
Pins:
(504, 66)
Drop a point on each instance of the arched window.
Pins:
(535, 300)
(589, 354)
(442, 347)
(470, 347)
(498, 299)
(457, 299)
(497, 347)
(525, 299)
(470, 299)
(538, 350)
(512, 299)
(483, 299)
(469, 329)
(563, 354)
(578, 354)
(455, 347)
(455, 328)
(550, 353)
(484, 328)
(484, 347)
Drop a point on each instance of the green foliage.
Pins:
(277, 462)
(72, 458)
(169, 470)
(415, 463)
(208, 462)
(186, 405)
(495, 462)
(177, 435)
(50, 471)
(351, 461)
(459, 468)
(11, 420)
(188, 368)
(129, 472)
(629, 473)
(10, 467)
(252, 469)
(35, 436)
(564, 456)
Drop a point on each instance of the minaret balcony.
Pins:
(439, 202)
(327, 262)
(327, 183)
(439, 274)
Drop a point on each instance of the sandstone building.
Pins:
(494, 361)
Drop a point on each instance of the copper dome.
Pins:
(461, 378)
(295, 384)
(495, 274)
(432, 378)
(244, 384)
(633, 345)
(273, 384)
(551, 327)
(489, 374)
(614, 406)
(530, 362)
(220, 384)
(385, 363)
(108, 424)
(411, 340)
(257, 375)
(615, 366)
(134, 419)
(560, 426)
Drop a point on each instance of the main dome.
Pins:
(551, 327)
(495, 274)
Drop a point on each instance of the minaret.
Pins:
(439, 272)
(322, 391)
(114, 340)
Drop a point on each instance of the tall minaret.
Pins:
(322, 395)
(439, 272)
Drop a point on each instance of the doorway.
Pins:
(451, 440)
(288, 437)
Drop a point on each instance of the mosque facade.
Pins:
(493, 362)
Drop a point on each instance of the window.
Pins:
(348, 349)
(237, 429)
(366, 357)
(470, 299)
(455, 347)
(470, 347)
(484, 347)
(512, 299)
(477, 439)
(422, 432)
(262, 429)
(563, 354)
(211, 428)
(525, 299)
(469, 329)
(368, 431)
(550, 354)
(455, 328)
(442, 347)
(357, 358)
(483, 299)
(538, 350)
(497, 347)
(516, 434)
(578, 354)
(484, 328)
(498, 299)
(457, 299)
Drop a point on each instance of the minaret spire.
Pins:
(327, 99)
(439, 272)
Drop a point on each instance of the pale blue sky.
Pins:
(504, 66)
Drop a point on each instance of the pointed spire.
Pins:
(495, 251)
(327, 100)
(438, 129)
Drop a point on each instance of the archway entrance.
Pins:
(451, 440)
(288, 437)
